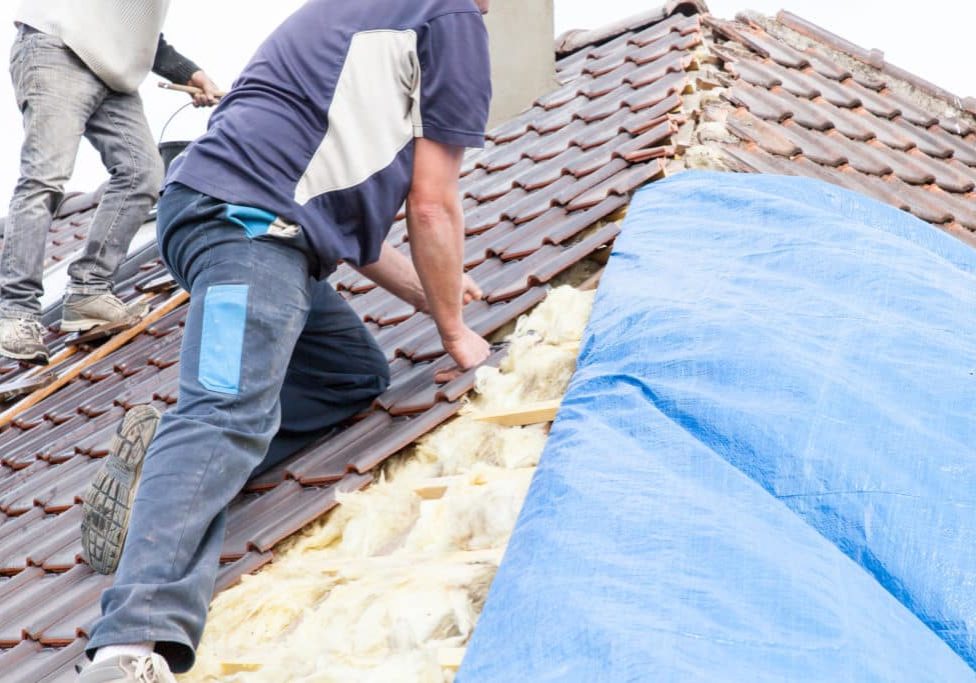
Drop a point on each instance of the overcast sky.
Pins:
(220, 36)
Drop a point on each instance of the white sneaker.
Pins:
(23, 339)
(128, 669)
(82, 312)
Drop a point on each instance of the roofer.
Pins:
(347, 110)
(76, 67)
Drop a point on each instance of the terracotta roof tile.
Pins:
(756, 72)
(678, 23)
(554, 227)
(815, 146)
(751, 98)
(963, 151)
(51, 665)
(674, 63)
(771, 138)
(232, 572)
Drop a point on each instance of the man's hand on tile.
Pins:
(467, 348)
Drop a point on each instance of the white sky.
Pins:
(221, 36)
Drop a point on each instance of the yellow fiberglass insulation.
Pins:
(393, 578)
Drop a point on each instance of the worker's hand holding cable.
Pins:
(435, 224)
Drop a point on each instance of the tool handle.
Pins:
(189, 89)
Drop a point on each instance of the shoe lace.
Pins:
(148, 669)
(114, 301)
(26, 326)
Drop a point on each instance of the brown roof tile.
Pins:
(769, 137)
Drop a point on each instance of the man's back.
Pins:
(319, 127)
(116, 40)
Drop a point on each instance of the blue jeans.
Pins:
(62, 100)
(271, 360)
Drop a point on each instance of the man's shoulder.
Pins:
(343, 19)
(395, 14)
(435, 9)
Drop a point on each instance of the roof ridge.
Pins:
(873, 58)
(575, 39)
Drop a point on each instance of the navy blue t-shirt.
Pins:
(319, 128)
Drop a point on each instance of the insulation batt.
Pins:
(372, 591)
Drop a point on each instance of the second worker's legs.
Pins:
(57, 94)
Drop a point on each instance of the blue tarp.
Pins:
(764, 466)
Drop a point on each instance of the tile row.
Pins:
(800, 113)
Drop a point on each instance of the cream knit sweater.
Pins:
(117, 39)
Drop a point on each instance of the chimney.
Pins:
(523, 60)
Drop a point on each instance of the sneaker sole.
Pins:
(36, 359)
(86, 324)
(80, 325)
(108, 502)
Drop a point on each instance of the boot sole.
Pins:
(107, 504)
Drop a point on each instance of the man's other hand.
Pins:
(208, 97)
(467, 348)
(470, 291)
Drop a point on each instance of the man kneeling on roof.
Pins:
(76, 66)
(347, 110)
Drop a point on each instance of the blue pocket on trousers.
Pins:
(222, 338)
(255, 222)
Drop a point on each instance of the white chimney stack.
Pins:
(523, 63)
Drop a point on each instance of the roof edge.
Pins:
(874, 58)
(576, 39)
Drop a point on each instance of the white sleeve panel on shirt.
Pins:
(373, 115)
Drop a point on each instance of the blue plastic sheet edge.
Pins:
(763, 469)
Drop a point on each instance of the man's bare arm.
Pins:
(435, 225)
(395, 273)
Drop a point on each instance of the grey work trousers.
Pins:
(62, 100)
(272, 359)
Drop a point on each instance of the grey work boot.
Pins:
(108, 502)
(82, 312)
(23, 339)
(128, 669)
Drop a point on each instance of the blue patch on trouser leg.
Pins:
(222, 338)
